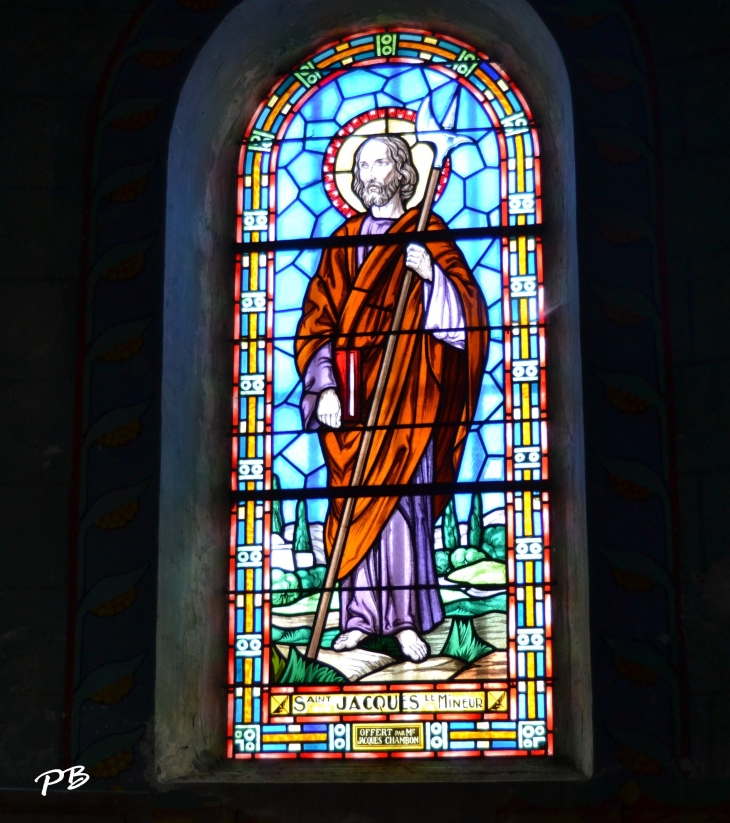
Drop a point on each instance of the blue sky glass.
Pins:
(471, 199)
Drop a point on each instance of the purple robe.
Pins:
(395, 586)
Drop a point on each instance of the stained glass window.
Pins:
(390, 589)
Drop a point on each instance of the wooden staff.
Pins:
(367, 436)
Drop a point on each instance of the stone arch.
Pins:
(233, 71)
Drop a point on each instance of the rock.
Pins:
(486, 572)
(304, 560)
(278, 542)
(433, 669)
(494, 518)
(490, 667)
(492, 627)
(316, 535)
(282, 559)
(355, 664)
(483, 593)
(295, 621)
(307, 606)
(449, 593)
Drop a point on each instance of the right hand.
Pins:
(329, 409)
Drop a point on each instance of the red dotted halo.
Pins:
(329, 167)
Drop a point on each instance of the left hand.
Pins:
(419, 260)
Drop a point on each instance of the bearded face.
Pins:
(375, 193)
(379, 171)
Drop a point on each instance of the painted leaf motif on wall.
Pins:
(114, 509)
(132, 114)
(630, 393)
(117, 604)
(634, 480)
(104, 676)
(124, 185)
(626, 307)
(121, 262)
(611, 73)
(643, 752)
(109, 429)
(584, 14)
(109, 588)
(200, 5)
(157, 52)
(639, 566)
(119, 342)
(109, 747)
(621, 226)
(645, 658)
(620, 146)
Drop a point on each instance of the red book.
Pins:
(347, 366)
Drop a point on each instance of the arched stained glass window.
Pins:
(390, 591)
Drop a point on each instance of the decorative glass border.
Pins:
(512, 717)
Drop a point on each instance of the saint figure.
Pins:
(388, 580)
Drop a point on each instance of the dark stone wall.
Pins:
(694, 73)
(650, 80)
(52, 58)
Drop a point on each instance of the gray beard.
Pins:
(377, 194)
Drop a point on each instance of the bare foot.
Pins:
(414, 648)
(348, 640)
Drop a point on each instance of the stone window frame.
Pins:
(232, 73)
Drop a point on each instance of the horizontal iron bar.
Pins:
(348, 241)
(511, 682)
(396, 490)
(485, 587)
(328, 335)
(360, 426)
(384, 334)
(495, 590)
(475, 133)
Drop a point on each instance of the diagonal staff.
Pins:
(443, 139)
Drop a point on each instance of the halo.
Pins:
(340, 155)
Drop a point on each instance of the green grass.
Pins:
(451, 595)
(278, 664)
(464, 643)
(299, 670)
(477, 606)
(300, 636)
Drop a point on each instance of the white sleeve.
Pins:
(444, 314)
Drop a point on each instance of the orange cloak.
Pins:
(433, 387)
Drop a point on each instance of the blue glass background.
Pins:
(470, 199)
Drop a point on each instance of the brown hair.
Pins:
(399, 154)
